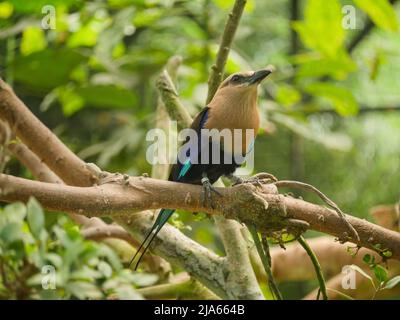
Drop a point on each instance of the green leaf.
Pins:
(380, 273)
(378, 246)
(144, 279)
(33, 40)
(18, 248)
(112, 36)
(107, 96)
(87, 35)
(337, 67)
(363, 273)
(392, 283)
(6, 10)
(340, 98)
(228, 4)
(83, 290)
(387, 253)
(35, 217)
(287, 95)
(147, 17)
(54, 259)
(367, 258)
(73, 232)
(11, 232)
(105, 269)
(111, 256)
(36, 6)
(381, 13)
(86, 274)
(52, 67)
(14, 212)
(224, 4)
(322, 28)
(126, 292)
(70, 100)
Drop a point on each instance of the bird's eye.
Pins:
(235, 78)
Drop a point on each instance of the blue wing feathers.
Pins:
(187, 165)
(203, 119)
(165, 214)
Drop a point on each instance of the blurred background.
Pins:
(331, 112)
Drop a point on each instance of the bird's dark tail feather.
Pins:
(162, 219)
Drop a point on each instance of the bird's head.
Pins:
(240, 89)
(246, 80)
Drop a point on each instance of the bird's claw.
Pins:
(207, 192)
(257, 179)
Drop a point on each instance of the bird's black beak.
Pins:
(259, 75)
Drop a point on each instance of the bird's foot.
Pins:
(258, 179)
(206, 195)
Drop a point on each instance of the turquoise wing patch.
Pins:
(185, 168)
(251, 146)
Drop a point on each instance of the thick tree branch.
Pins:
(41, 140)
(241, 278)
(261, 206)
(39, 170)
(171, 244)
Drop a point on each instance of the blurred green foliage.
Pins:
(53, 261)
(91, 80)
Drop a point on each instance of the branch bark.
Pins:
(261, 206)
(38, 138)
(170, 98)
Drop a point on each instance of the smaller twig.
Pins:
(18, 27)
(265, 256)
(323, 197)
(186, 289)
(158, 170)
(397, 212)
(271, 279)
(318, 293)
(222, 56)
(169, 97)
(347, 297)
(316, 265)
(5, 138)
(109, 231)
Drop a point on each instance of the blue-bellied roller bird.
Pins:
(234, 106)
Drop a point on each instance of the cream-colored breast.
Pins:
(234, 109)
